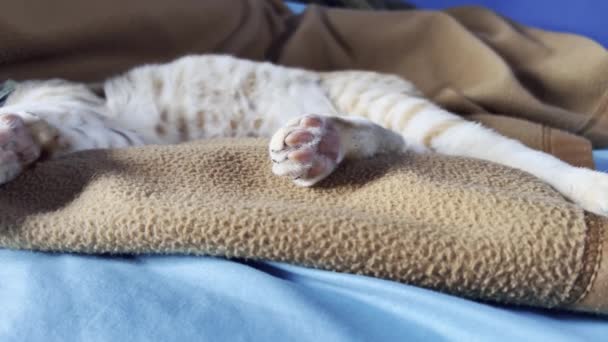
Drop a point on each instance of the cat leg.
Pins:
(395, 104)
(25, 138)
(309, 148)
(427, 127)
(587, 188)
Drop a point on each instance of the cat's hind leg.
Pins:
(395, 104)
(585, 187)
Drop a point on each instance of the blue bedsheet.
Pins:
(61, 297)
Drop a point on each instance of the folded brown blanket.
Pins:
(466, 227)
(462, 226)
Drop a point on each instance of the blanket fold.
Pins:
(462, 226)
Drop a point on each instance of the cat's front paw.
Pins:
(17, 147)
(589, 189)
(307, 149)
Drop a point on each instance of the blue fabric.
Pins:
(296, 7)
(62, 297)
(583, 17)
(600, 157)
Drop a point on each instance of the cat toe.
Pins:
(299, 137)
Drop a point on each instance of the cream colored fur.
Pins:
(315, 120)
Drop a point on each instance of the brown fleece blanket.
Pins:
(466, 227)
(462, 226)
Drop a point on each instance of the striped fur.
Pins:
(356, 115)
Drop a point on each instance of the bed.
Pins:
(70, 297)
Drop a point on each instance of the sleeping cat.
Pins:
(315, 120)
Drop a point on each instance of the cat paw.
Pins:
(307, 149)
(17, 147)
(589, 189)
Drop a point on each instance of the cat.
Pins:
(314, 120)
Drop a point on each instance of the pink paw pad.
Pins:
(306, 150)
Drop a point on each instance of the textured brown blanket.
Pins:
(466, 227)
(463, 226)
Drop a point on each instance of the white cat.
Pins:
(311, 114)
